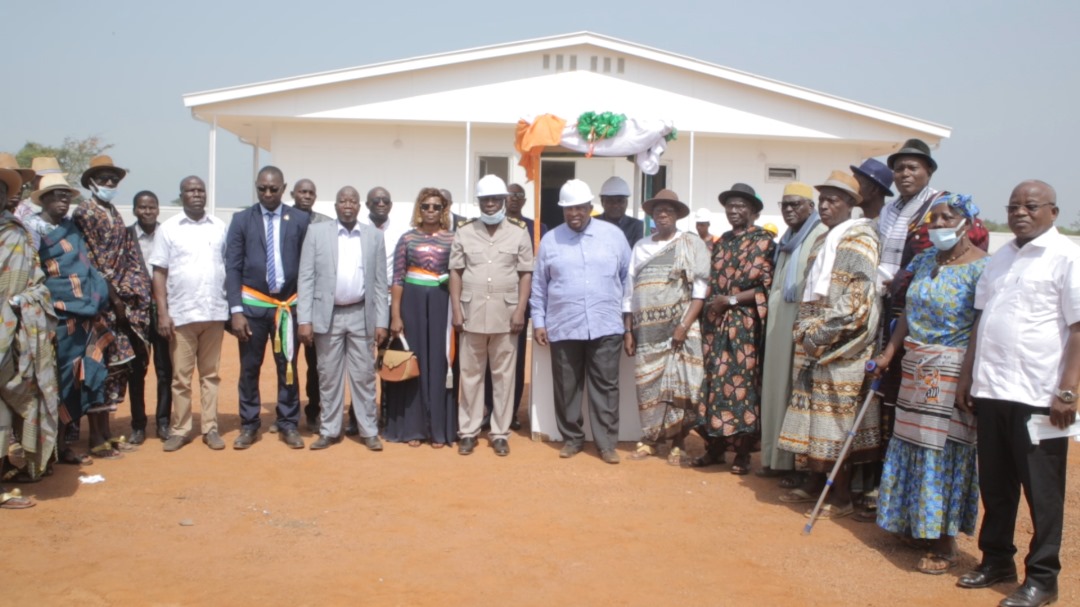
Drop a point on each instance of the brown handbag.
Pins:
(398, 365)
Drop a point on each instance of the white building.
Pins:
(444, 120)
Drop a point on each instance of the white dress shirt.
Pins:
(146, 245)
(392, 232)
(194, 254)
(350, 267)
(1029, 297)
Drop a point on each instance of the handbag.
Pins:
(398, 365)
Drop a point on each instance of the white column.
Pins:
(690, 172)
(468, 167)
(211, 178)
(255, 168)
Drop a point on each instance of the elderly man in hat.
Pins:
(490, 276)
(27, 176)
(614, 196)
(702, 222)
(912, 167)
(262, 261)
(578, 285)
(835, 334)
(28, 387)
(117, 257)
(875, 183)
(804, 227)
(39, 167)
(1022, 369)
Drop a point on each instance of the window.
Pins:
(781, 174)
(494, 165)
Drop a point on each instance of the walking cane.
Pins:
(871, 366)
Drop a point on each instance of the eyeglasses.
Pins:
(791, 205)
(517, 196)
(431, 207)
(1032, 208)
(379, 200)
(107, 178)
(273, 189)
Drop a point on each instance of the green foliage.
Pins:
(73, 154)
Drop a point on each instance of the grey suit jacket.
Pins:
(318, 277)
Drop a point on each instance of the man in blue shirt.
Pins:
(578, 285)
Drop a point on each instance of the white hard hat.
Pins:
(615, 186)
(491, 185)
(574, 192)
(703, 216)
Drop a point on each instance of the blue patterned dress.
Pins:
(928, 492)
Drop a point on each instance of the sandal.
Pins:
(936, 564)
(676, 457)
(706, 460)
(437, 445)
(69, 457)
(121, 444)
(793, 480)
(797, 496)
(14, 500)
(741, 467)
(643, 451)
(105, 451)
(767, 472)
(415, 443)
(20, 475)
(828, 511)
(865, 516)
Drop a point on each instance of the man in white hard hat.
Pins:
(491, 262)
(577, 290)
(614, 195)
(702, 221)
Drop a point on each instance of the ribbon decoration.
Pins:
(284, 339)
(593, 127)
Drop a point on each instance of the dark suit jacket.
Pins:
(245, 254)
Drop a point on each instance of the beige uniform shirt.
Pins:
(491, 262)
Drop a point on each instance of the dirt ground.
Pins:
(417, 526)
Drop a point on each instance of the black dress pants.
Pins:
(252, 352)
(159, 348)
(594, 365)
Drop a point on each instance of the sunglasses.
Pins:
(431, 207)
(273, 189)
(379, 200)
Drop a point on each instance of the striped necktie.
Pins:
(271, 250)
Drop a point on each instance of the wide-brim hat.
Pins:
(876, 171)
(8, 161)
(681, 210)
(50, 182)
(913, 147)
(742, 190)
(14, 182)
(97, 165)
(843, 182)
(45, 165)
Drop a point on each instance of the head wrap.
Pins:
(960, 202)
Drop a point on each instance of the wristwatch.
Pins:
(1066, 396)
(732, 302)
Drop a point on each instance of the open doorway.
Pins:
(553, 174)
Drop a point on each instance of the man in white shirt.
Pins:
(1023, 363)
(189, 290)
(343, 311)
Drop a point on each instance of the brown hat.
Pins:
(681, 210)
(843, 182)
(7, 161)
(914, 147)
(13, 181)
(97, 165)
(50, 182)
(45, 165)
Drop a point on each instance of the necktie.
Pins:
(271, 262)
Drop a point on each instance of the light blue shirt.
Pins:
(579, 281)
(279, 271)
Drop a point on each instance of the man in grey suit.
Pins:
(342, 309)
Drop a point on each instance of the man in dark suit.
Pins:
(142, 233)
(262, 260)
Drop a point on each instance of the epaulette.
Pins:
(519, 223)
(466, 222)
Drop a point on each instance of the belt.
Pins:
(425, 278)
(349, 305)
(488, 287)
(284, 340)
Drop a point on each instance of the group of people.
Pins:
(757, 344)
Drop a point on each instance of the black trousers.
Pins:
(1008, 462)
(159, 349)
(594, 363)
(252, 352)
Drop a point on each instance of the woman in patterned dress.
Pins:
(835, 333)
(423, 409)
(669, 271)
(734, 330)
(929, 485)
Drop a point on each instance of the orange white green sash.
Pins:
(424, 278)
(284, 339)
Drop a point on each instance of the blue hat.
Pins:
(876, 171)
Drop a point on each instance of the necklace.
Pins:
(949, 260)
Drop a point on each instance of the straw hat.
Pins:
(50, 182)
(7, 161)
(97, 165)
(45, 165)
(843, 182)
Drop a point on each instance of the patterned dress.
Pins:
(829, 378)
(929, 492)
(733, 348)
(116, 256)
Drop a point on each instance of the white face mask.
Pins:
(944, 239)
(495, 218)
(104, 194)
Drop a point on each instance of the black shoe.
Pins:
(466, 445)
(373, 443)
(352, 430)
(323, 442)
(246, 439)
(137, 437)
(501, 447)
(569, 450)
(985, 576)
(163, 431)
(1029, 596)
(292, 438)
(313, 425)
(515, 425)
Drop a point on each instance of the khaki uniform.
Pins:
(489, 296)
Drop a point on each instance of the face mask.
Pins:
(493, 219)
(944, 239)
(104, 194)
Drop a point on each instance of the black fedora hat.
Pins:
(742, 190)
(913, 147)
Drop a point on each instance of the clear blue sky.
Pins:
(1003, 75)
